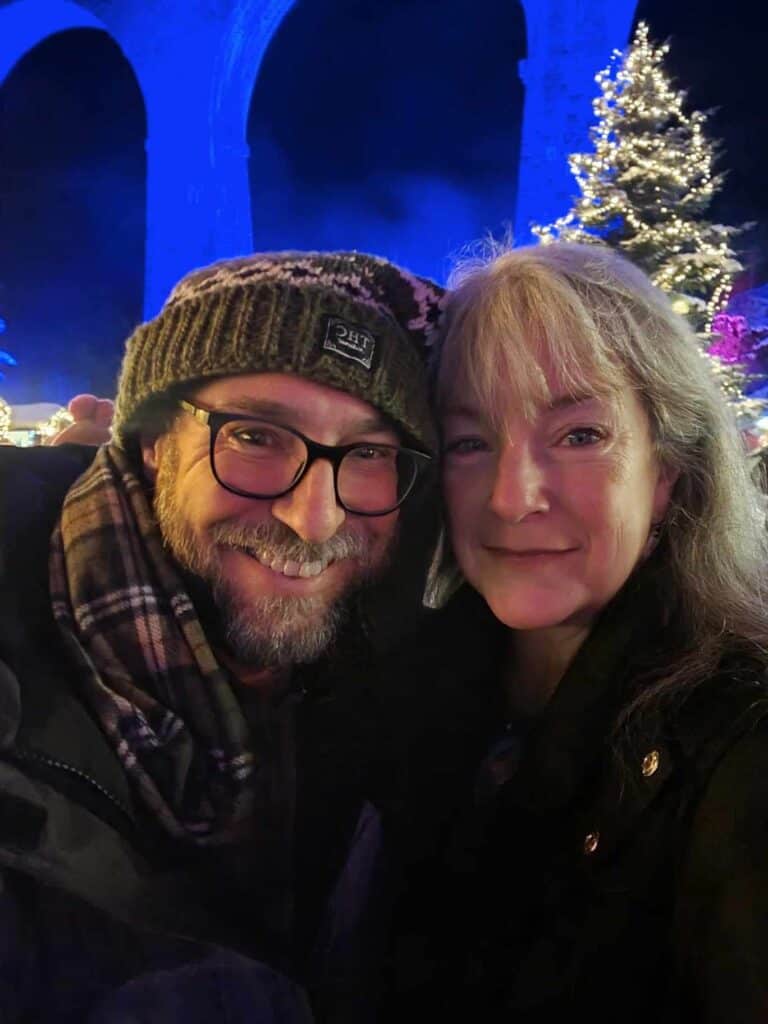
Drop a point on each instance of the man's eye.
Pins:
(583, 437)
(373, 452)
(465, 446)
(252, 438)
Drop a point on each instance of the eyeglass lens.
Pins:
(264, 460)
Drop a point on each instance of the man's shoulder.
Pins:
(29, 476)
(47, 464)
(33, 485)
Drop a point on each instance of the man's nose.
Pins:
(311, 509)
(520, 484)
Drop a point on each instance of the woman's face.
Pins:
(549, 517)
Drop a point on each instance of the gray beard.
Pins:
(278, 632)
(274, 631)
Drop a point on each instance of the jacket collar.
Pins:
(572, 736)
(38, 714)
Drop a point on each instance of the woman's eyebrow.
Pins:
(566, 401)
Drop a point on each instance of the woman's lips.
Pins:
(521, 553)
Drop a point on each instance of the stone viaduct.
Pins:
(196, 63)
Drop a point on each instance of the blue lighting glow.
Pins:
(398, 128)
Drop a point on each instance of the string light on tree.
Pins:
(645, 189)
(5, 420)
(61, 419)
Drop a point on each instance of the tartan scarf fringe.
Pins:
(144, 664)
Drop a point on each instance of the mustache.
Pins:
(279, 541)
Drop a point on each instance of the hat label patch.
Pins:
(350, 341)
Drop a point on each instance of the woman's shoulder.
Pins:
(728, 748)
(692, 729)
(730, 704)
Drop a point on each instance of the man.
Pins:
(190, 747)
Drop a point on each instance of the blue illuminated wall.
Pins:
(392, 126)
(569, 41)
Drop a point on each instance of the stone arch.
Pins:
(250, 28)
(198, 203)
(25, 23)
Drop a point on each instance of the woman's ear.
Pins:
(665, 484)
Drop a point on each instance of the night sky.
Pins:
(362, 142)
(719, 56)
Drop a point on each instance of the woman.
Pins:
(615, 861)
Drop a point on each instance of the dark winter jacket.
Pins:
(604, 880)
(104, 919)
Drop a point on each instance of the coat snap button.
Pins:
(591, 842)
(650, 763)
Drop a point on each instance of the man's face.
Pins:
(250, 551)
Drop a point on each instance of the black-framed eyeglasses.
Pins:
(256, 458)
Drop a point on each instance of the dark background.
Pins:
(408, 109)
(719, 55)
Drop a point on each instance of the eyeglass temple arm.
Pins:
(201, 415)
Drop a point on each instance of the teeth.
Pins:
(311, 569)
(305, 570)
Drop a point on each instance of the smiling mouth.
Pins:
(287, 567)
(530, 552)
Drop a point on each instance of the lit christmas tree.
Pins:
(645, 189)
(5, 421)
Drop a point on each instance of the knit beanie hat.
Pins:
(345, 319)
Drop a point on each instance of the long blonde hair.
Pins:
(599, 319)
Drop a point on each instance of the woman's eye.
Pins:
(582, 437)
(465, 446)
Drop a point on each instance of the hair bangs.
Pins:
(514, 331)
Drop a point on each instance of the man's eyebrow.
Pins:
(283, 413)
(256, 406)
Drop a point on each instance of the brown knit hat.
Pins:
(346, 319)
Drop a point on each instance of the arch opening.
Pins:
(382, 142)
(73, 217)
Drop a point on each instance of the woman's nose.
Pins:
(519, 486)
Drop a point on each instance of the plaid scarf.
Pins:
(145, 666)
